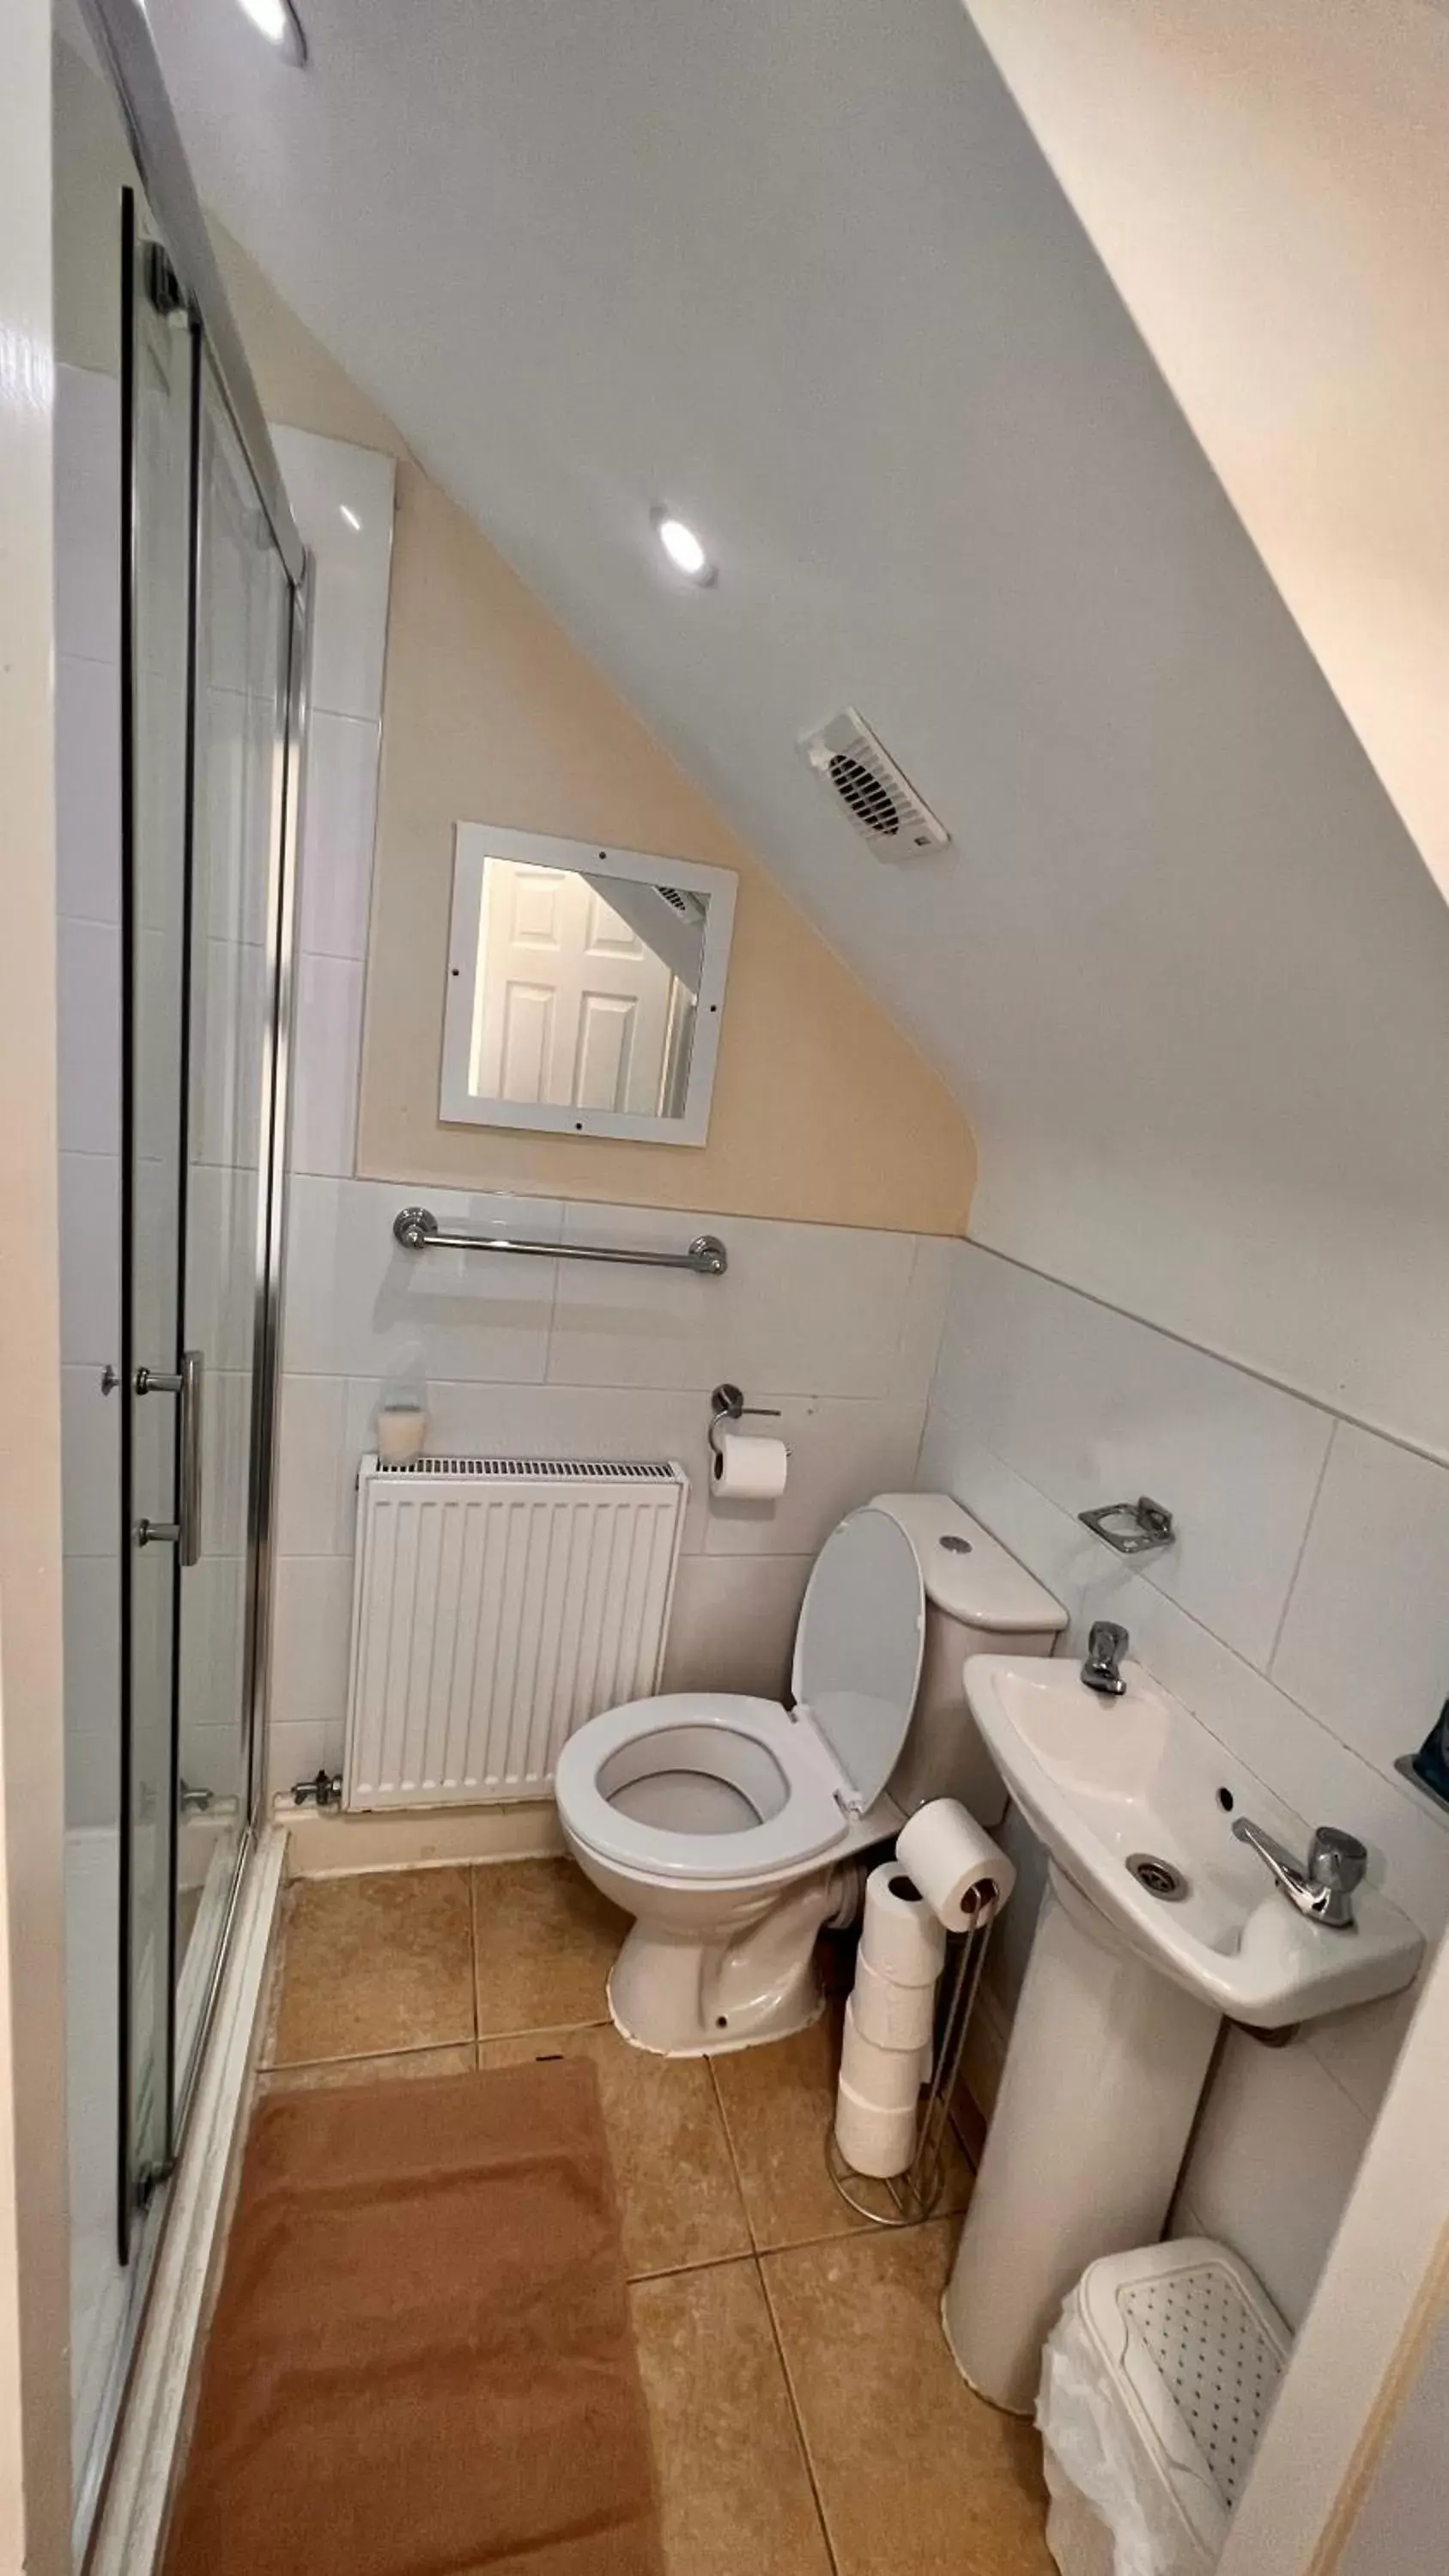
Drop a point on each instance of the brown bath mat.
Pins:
(421, 2362)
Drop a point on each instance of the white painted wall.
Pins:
(838, 1326)
(34, 2488)
(1302, 1616)
(1266, 181)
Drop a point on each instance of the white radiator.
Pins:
(498, 1603)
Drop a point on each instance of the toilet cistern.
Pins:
(1102, 1667)
(1323, 1888)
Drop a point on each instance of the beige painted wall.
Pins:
(822, 1109)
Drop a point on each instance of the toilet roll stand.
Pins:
(916, 2193)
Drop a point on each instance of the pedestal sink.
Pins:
(1156, 1925)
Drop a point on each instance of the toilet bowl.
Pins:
(733, 1828)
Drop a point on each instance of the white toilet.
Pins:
(730, 1827)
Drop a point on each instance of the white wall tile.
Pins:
(1273, 2163)
(92, 1689)
(338, 824)
(329, 1033)
(221, 1261)
(90, 1258)
(359, 1305)
(313, 1623)
(315, 1475)
(553, 1422)
(840, 1454)
(324, 478)
(228, 1024)
(933, 1272)
(211, 1758)
(733, 1624)
(1319, 1779)
(90, 1443)
(213, 1639)
(1093, 1408)
(235, 748)
(298, 1751)
(88, 1071)
(1366, 1641)
(802, 1309)
(88, 527)
(88, 789)
(225, 1461)
(1360, 2049)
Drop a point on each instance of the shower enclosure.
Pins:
(175, 541)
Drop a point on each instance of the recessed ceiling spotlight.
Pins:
(278, 21)
(682, 547)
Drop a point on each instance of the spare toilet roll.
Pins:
(873, 2141)
(747, 1470)
(950, 1858)
(901, 1936)
(889, 2078)
(888, 2015)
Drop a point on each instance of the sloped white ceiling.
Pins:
(799, 268)
(1268, 183)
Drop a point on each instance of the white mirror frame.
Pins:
(474, 845)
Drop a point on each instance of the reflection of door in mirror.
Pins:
(573, 1007)
(585, 987)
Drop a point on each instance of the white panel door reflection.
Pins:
(573, 1009)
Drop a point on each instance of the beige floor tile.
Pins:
(545, 1941)
(372, 1963)
(778, 2102)
(914, 2473)
(678, 2196)
(734, 2488)
(402, 2065)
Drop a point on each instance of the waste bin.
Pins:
(1156, 2384)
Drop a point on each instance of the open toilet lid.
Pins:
(858, 1646)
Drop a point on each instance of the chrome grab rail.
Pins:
(418, 1230)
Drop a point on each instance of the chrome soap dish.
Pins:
(1133, 1529)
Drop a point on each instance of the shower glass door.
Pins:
(206, 688)
(157, 396)
(239, 742)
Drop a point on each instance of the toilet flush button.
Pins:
(953, 1545)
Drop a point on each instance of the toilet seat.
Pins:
(690, 1730)
(808, 1774)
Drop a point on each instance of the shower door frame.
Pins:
(127, 52)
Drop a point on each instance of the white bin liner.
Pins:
(1155, 2386)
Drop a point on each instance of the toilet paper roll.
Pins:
(873, 2141)
(950, 1859)
(888, 2015)
(901, 1936)
(888, 2078)
(747, 1470)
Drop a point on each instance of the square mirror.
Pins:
(585, 987)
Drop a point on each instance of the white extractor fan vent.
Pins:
(878, 798)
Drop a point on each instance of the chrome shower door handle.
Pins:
(188, 1510)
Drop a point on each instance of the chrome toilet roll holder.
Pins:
(727, 1404)
(916, 2193)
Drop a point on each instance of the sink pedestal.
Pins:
(1104, 2071)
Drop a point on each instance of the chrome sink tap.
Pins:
(1322, 1888)
(1102, 1670)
